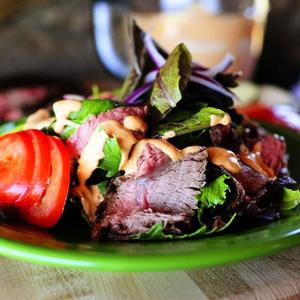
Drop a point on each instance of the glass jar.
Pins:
(209, 28)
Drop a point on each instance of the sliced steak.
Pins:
(80, 138)
(273, 152)
(138, 222)
(166, 195)
(150, 160)
(250, 180)
(225, 137)
(252, 133)
(237, 192)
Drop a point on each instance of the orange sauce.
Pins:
(161, 144)
(254, 160)
(224, 158)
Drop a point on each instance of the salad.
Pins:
(164, 157)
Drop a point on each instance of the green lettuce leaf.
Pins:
(211, 195)
(90, 108)
(141, 62)
(112, 159)
(171, 80)
(214, 193)
(103, 187)
(290, 199)
(179, 115)
(95, 91)
(12, 126)
(68, 131)
(198, 121)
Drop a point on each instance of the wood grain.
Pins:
(272, 277)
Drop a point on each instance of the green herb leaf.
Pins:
(95, 91)
(112, 158)
(68, 131)
(156, 233)
(178, 115)
(214, 193)
(211, 195)
(198, 121)
(172, 80)
(103, 187)
(90, 108)
(225, 226)
(290, 199)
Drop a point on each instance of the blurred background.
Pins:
(49, 48)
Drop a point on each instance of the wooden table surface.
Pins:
(273, 277)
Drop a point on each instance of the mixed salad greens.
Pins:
(120, 155)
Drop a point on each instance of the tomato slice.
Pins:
(16, 165)
(280, 114)
(41, 171)
(49, 210)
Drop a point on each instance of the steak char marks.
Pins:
(161, 191)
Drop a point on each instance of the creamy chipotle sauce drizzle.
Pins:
(124, 136)
(87, 163)
(92, 153)
(39, 119)
(216, 120)
(135, 123)
(254, 160)
(62, 110)
(161, 144)
(131, 149)
(224, 158)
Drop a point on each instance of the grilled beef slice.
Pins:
(161, 191)
(251, 180)
(226, 137)
(76, 142)
(273, 152)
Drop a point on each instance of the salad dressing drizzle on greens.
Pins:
(39, 119)
(135, 123)
(216, 120)
(188, 109)
(93, 153)
(254, 160)
(161, 144)
(224, 158)
(87, 163)
(124, 136)
(62, 110)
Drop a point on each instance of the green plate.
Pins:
(69, 247)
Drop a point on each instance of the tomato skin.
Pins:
(47, 213)
(258, 111)
(280, 114)
(37, 176)
(16, 164)
(41, 171)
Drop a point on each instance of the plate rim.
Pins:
(85, 259)
(99, 261)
